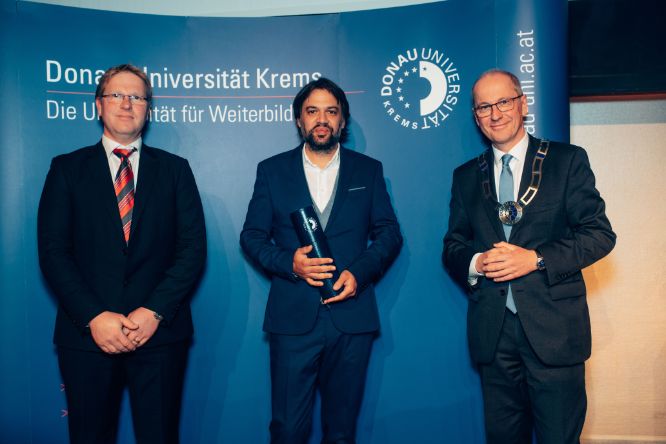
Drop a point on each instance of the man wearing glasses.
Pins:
(122, 243)
(525, 219)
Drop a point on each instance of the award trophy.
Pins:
(309, 232)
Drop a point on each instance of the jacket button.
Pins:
(125, 283)
(124, 251)
(503, 292)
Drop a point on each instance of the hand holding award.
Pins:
(309, 232)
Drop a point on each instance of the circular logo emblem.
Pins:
(420, 88)
(310, 224)
(510, 212)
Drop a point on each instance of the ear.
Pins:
(298, 123)
(343, 124)
(98, 105)
(523, 105)
(476, 119)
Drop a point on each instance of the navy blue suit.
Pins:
(566, 223)
(361, 212)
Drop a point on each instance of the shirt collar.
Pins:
(519, 150)
(110, 145)
(335, 160)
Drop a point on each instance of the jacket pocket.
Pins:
(568, 289)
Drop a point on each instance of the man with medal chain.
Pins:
(525, 219)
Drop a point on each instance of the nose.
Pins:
(495, 112)
(322, 117)
(126, 102)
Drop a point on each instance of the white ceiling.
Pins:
(233, 8)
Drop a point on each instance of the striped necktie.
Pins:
(124, 186)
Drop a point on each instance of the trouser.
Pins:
(323, 358)
(521, 394)
(94, 383)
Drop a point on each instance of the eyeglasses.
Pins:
(503, 105)
(118, 98)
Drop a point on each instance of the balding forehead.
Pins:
(498, 74)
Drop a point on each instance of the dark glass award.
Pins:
(310, 232)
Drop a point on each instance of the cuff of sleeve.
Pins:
(473, 273)
(362, 280)
(286, 262)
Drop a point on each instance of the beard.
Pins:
(321, 146)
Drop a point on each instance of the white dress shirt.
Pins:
(517, 163)
(321, 181)
(114, 161)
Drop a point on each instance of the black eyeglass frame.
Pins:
(488, 108)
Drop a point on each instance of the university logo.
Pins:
(310, 224)
(420, 89)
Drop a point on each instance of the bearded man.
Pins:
(317, 342)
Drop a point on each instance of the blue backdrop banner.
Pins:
(223, 90)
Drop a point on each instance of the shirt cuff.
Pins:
(473, 275)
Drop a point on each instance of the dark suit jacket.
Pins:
(361, 211)
(565, 222)
(82, 251)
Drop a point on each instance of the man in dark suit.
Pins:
(525, 219)
(122, 269)
(315, 342)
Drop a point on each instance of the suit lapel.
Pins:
(490, 203)
(344, 177)
(102, 185)
(296, 181)
(525, 180)
(145, 182)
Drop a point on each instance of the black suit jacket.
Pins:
(361, 212)
(83, 254)
(565, 222)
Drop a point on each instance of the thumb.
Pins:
(304, 250)
(127, 323)
(339, 283)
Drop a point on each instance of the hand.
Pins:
(107, 329)
(312, 270)
(346, 280)
(146, 323)
(506, 262)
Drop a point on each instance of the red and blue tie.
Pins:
(124, 186)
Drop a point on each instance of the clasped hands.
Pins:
(313, 270)
(505, 262)
(115, 333)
